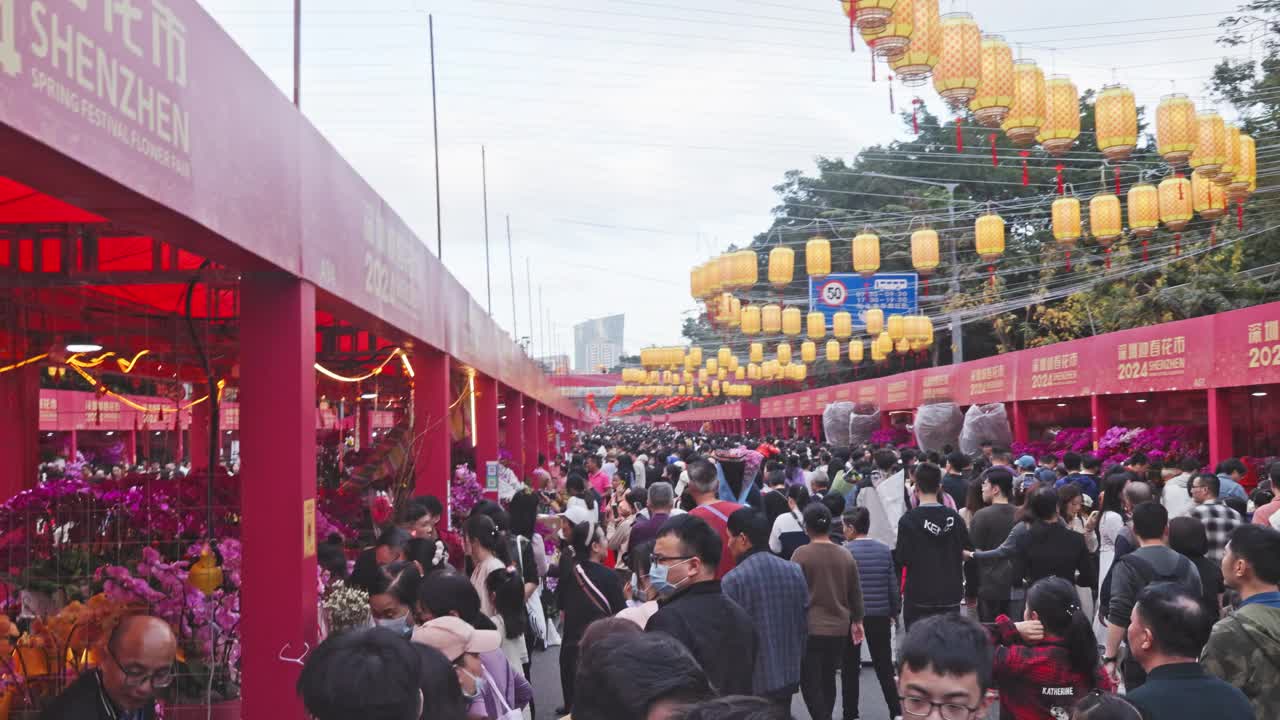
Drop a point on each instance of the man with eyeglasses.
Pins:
(136, 663)
(944, 669)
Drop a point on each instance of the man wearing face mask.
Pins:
(694, 610)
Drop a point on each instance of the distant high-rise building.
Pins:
(554, 364)
(597, 344)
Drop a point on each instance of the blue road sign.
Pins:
(894, 293)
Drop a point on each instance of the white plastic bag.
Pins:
(938, 425)
(864, 421)
(835, 423)
(984, 424)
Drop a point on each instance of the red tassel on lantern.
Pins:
(1068, 259)
(1061, 188)
(924, 286)
(959, 136)
(1117, 173)
(1108, 258)
(1144, 251)
(992, 270)
(1177, 244)
(1026, 178)
(891, 109)
(1239, 215)
(915, 123)
(1179, 176)
(995, 160)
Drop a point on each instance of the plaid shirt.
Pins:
(1219, 522)
(775, 595)
(1037, 681)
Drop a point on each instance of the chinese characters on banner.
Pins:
(935, 387)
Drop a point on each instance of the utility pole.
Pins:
(297, 53)
(484, 194)
(511, 266)
(528, 286)
(435, 135)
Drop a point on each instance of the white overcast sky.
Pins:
(630, 139)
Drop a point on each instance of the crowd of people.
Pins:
(717, 577)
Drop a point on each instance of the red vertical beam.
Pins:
(513, 440)
(486, 440)
(364, 421)
(816, 427)
(200, 435)
(431, 423)
(131, 447)
(1018, 418)
(1101, 419)
(278, 431)
(532, 447)
(20, 429)
(1220, 446)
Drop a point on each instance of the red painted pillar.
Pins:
(816, 426)
(20, 429)
(544, 431)
(131, 447)
(1101, 418)
(1220, 445)
(486, 440)
(278, 439)
(146, 444)
(513, 437)
(178, 454)
(72, 447)
(200, 435)
(364, 421)
(431, 423)
(1018, 419)
(532, 447)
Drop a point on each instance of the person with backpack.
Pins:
(1153, 561)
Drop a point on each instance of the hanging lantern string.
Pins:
(1061, 188)
(1116, 170)
(1068, 259)
(995, 158)
(1026, 178)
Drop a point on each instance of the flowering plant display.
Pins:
(1161, 443)
(896, 436)
(464, 493)
(346, 607)
(1061, 441)
(40, 664)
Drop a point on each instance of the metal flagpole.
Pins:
(542, 320)
(511, 266)
(484, 194)
(297, 53)
(435, 134)
(528, 286)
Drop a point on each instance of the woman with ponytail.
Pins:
(1048, 662)
(487, 547)
(585, 592)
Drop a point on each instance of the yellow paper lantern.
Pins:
(816, 325)
(756, 352)
(855, 351)
(1175, 203)
(771, 319)
(902, 346)
(989, 237)
(713, 366)
(871, 14)
(808, 351)
(842, 324)
(1066, 221)
(873, 318)
(866, 254)
(884, 343)
(723, 355)
(889, 41)
(1105, 221)
(924, 251)
(1230, 158)
(791, 321)
(896, 326)
(799, 372)
(990, 105)
(782, 263)
(1211, 144)
(1061, 124)
(722, 373)
(750, 320)
(915, 66)
(1026, 112)
(959, 69)
(833, 351)
(753, 371)
(1117, 122)
(733, 318)
(1144, 210)
(703, 375)
(696, 282)
(784, 353)
(1208, 197)
(732, 365)
(694, 356)
(1176, 128)
(745, 268)
(817, 257)
(1247, 172)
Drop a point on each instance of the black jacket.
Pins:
(717, 632)
(86, 700)
(1057, 550)
(931, 542)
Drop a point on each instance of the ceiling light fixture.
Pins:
(1062, 404)
(1259, 393)
(1141, 400)
(369, 396)
(82, 344)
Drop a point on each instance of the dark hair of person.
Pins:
(1104, 706)
(1211, 482)
(447, 593)
(1187, 537)
(1090, 462)
(508, 599)
(403, 579)
(1177, 619)
(775, 504)
(1261, 496)
(800, 494)
(696, 538)
(394, 538)
(481, 529)
(423, 552)
(999, 479)
(735, 707)
(834, 504)
(1232, 465)
(370, 674)
(884, 459)
(1113, 493)
(859, 518)
(776, 478)
(928, 478)
(606, 627)
(365, 573)
(1042, 505)
(973, 501)
(1260, 547)
(623, 675)
(753, 524)
(1066, 494)
(1138, 458)
(1056, 603)
(430, 503)
(523, 511)
(1150, 519)
(1071, 461)
(639, 558)
(441, 692)
(1237, 503)
(330, 556)
(1190, 465)
(637, 497)
(576, 486)
(817, 519)
(958, 461)
(1273, 472)
(948, 645)
(1048, 459)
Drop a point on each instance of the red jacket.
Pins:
(1036, 682)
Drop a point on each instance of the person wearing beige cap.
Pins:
(492, 695)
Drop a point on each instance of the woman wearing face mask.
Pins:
(586, 591)
(391, 597)
(488, 549)
(463, 646)
(643, 602)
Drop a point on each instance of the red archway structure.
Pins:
(158, 192)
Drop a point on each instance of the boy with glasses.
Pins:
(944, 669)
